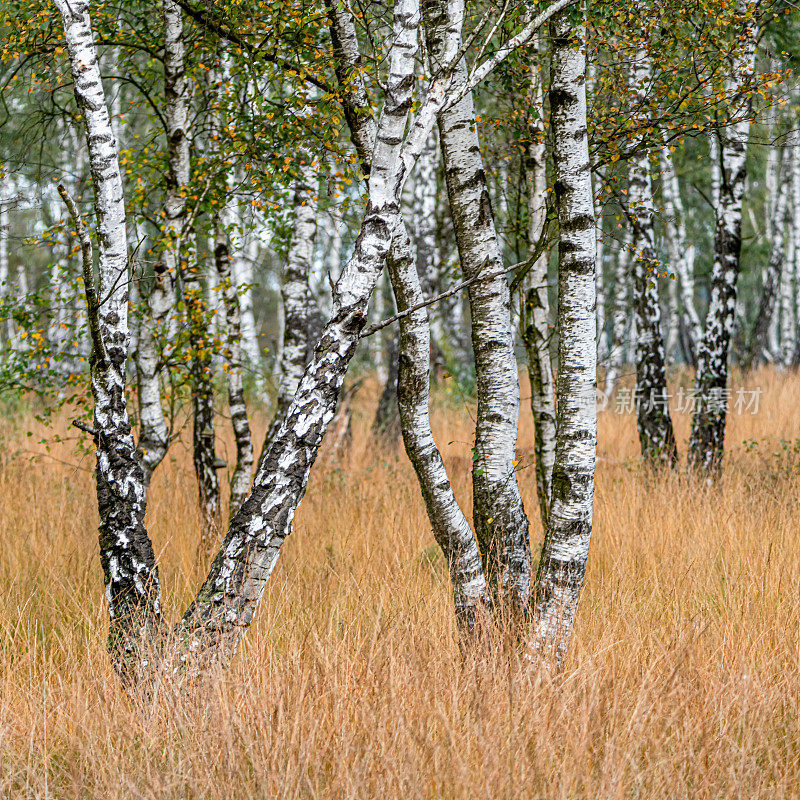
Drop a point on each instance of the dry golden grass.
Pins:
(683, 679)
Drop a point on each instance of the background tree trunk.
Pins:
(535, 304)
(707, 438)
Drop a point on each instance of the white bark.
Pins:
(243, 261)
(681, 253)
(794, 162)
(706, 441)
(499, 517)
(232, 327)
(126, 554)
(788, 322)
(566, 546)
(450, 526)
(766, 320)
(656, 436)
(296, 295)
(154, 434)
(535, 328)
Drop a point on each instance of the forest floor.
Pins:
(683, 678)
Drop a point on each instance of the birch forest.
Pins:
(399, 399)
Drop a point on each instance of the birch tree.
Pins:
(499, 516)
(154, 434)
(758, 345)
(566, 544)
(296, 293)
(682, 255)
(224, 222)
(656, 436)
(534, 301)
(126, 553)
(706, 441)
(225, 605)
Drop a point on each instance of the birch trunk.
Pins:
(242, 472)
(656, 436)
(450, 527)
(681, 253)
(154, 434)
(534, 302)
(759, 335)
(566, 545)
(619, 319)
(706, 441)
(501, 525)
(5, 231)
(787, 310)
(296, 295)
(227, 601)
(126, 553)
(243, 269)
(795, 235)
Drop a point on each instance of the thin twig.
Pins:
(93, 306)
(454, 290)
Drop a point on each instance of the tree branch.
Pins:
(92, 303)
(479, 278)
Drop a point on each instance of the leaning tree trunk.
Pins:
(656, 436)
(126, 553)
(450, 526)
(226, 603)
(706, 441)
(566, 545)
(534, 303)
(499, 516)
